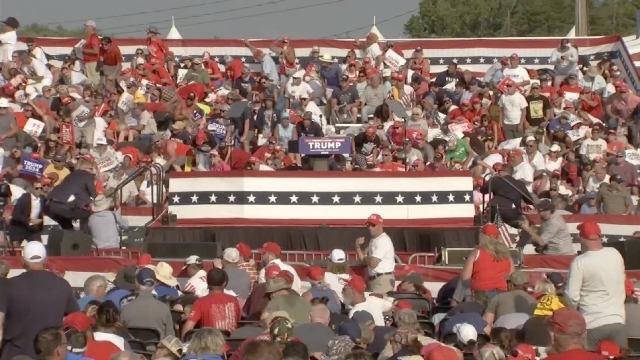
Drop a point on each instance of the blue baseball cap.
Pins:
(146, 277)
(593, 195)
(285, 114)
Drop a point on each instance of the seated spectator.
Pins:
(320, 289)
(207, 343)
(270, 255)
(169, 348)
(632, 310)
(108, 327)
(317, 333)
(282, 298)
(516, 300)
(353, 295)
(166, 283)
(95, 288)
(614, 198)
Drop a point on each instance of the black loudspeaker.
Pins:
(206, 250)
(68, 243)
(458, 256)
(135, 239)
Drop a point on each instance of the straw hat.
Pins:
(164, 274)
(101, 203)
(326, 58)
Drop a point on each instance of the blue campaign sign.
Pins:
(324, 146)
(32, 167)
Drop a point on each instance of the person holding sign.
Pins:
(27, 217)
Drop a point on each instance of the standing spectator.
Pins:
(8, 39)
(270, 255)
(565, 60)
(379, 257)
(91, 53)
(239, 280)
(554, 237)
(512, 112)
(247, 263)
(517, 73)
(197, 283)
(27, 218)
(597, 291)
(33, 300)
(539, 111)
(145, 310)
(614, 198)
(105, 225)
(110, 56)
(217, 310)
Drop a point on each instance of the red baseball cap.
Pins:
(629, 287)
(79, 321)
(244, 249)
(316, 273)
(271, 271)
(286, 275)
(367, 60)
(491, 230)
(270, 247)
(403, 304)
(590, 230)
(573, 171)
(525, 352)
(623, 89)
(355, 282)
(609, 349)
(374, 219)
(567, 321)
(144, 260)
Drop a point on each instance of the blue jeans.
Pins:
(493, 293)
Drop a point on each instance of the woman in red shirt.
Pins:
(591, 103)
(489, 263)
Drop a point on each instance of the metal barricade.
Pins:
(293, 256)
(421, 259)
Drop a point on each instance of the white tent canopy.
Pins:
(375, 30)
(173, 34)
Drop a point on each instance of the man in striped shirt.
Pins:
(247, 263)
(403, 93)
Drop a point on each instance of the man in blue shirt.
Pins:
(124, 286)
(166, 282)
(95, 288)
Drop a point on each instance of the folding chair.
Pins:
(144, 334)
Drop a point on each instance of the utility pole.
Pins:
(582, 18)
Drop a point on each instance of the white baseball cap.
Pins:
(338, 256)
(90, 23)
(34, 251)
(530, 138)
(555, 147)
(231, 255)
(4, 103)
(193, 259)
(465, 332)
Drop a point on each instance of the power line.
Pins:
(140, 13)
(368, 25)
(190, 17)
(244, 16)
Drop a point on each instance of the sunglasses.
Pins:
(37, 188)
(139, 53)
(30, 45)
(386, 154)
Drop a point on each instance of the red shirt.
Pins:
(157, 50)
(578, 354)
(235, 70)
(237, 355)
(548, 91)
(488, 273)
(216, 310)
(391, 167)
(239, 159)
(92, 43)
(111, 57)
(263, 153)
(156, 106)
(595, 111)
(159, 75)
(212, 69)
(572, 89)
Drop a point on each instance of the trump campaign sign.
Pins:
(324, 146)
(32, 167)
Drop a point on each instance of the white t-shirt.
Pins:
(373, 51)
(524, 172)
(37, 68)
(298, 91)
(512, 107)
(552, 165)
(493, 159)
(374, 306)
(333, 280)
(537, 163)
(593, 184)
(39, 54)
(596, 290)
(382, 248)
(593, 148)
(518, 74)
(197, 284)
(297, 284)
(8, 40)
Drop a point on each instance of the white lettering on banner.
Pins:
(633, 156)
(125, 102)
(106, 163)
(571, 96)
(460, 127)
(574, 120)
(576, 135)
(181, 74)
(32, 167)
(81, 111)
(324, 145)
(33, 127)
(394, 60)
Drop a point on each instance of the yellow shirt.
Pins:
(61, 173)
(547, 305)
(139, 97)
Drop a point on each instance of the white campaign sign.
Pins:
(33, 127)
(125, 102)
(576, 135)
(181, 74)
(106, 163)
(80, 111)
(633, 156)
(574, 120)
(394, 60)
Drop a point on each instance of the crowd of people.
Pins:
(265, 310)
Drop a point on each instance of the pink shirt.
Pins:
(222, 166)
(625, 107)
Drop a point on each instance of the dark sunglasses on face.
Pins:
(139, 53)
(37, 188)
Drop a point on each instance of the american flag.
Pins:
(506, 236)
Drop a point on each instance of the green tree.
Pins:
(37, 30)
(502, 18)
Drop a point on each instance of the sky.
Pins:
(252, 19)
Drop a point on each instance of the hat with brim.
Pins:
(178, 125)
(326, 58)
(12, 22)
(152, 30)
(101, 203)
(277, 284)
(125, 278)
(164, 274)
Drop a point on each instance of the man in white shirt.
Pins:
(297, 90)
(354, 296)
(594, 181)
(8, 39)
(513, 106)
(532, 155)
(36, 71)
(522, 170)
(270, 253)
(595, 146)
(596, 287)
(516, 72)
(197, 283)
(379, 257)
